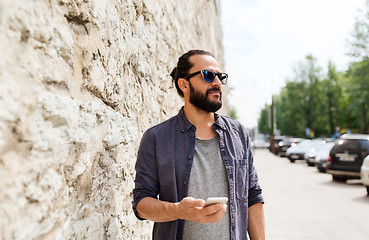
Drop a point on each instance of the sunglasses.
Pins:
(209, 76)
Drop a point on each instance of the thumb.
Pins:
(200, 203)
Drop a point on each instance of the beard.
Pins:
(201, 101)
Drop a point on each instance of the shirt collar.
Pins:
(183, 121)
(186, 125)
(219, 121)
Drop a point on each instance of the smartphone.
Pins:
(214, 200)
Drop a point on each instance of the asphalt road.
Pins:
(303, 204)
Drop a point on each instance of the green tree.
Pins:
(358, 93)
(329, 100)
(233, 113)
(264, 120)
(299, 99)
(359, 39)
(358, 72)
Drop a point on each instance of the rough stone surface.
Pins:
(80, 81)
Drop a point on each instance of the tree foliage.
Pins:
(358, 72)
(322, 102)
(359, 39)
(312, 100)
(264, 120)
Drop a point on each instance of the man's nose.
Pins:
(217, 82)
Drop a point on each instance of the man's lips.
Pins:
(214, 91)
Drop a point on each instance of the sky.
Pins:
(264, 40)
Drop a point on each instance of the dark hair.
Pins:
(184, 65)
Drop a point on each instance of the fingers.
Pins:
(194, 210)
(191, 202)
(215, 208)
(217, 215)
(200, 203)
(214, 213)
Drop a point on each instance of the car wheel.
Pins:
(339, 178)
(292, 160)
(367, 190)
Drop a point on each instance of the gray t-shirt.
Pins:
(208, 179)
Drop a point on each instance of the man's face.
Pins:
(204, 95)
(203, 102)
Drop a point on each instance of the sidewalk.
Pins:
(302, 204)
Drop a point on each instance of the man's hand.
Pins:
(194, 210)
(189, 209)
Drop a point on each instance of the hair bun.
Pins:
(174, 73)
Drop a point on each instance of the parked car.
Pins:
(364, 173)
(259, 143)
(311, 154)
(322, 155)
(347, 155)
(277, 139)
(287, 143)
(298, 152)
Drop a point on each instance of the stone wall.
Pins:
(80, 80)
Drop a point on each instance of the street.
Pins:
(303, 204)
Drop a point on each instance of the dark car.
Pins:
(346, 157)
(286, 143)
(277, 140)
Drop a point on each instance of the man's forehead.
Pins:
(201, 62)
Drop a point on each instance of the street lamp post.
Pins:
(272, 127)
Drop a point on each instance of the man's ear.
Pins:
(184, 85)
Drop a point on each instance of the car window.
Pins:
(364, 145)
(348, 145)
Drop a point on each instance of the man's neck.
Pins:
(202, 120)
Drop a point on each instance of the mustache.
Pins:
(213, 89)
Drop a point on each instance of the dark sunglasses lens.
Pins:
(223, 78)
(208, 76)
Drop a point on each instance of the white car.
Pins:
(364, 173)
(298, 151)
(318, 153)
(322, 156)
(259, 143)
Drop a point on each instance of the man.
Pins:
(194, 155)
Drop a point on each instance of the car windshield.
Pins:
(352, 145)
(304, 143)
(327, 146)
(316, 143)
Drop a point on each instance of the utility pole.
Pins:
(272, 126)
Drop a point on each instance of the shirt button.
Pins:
(190, 157)
(185, 183)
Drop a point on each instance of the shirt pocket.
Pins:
(242, 179)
